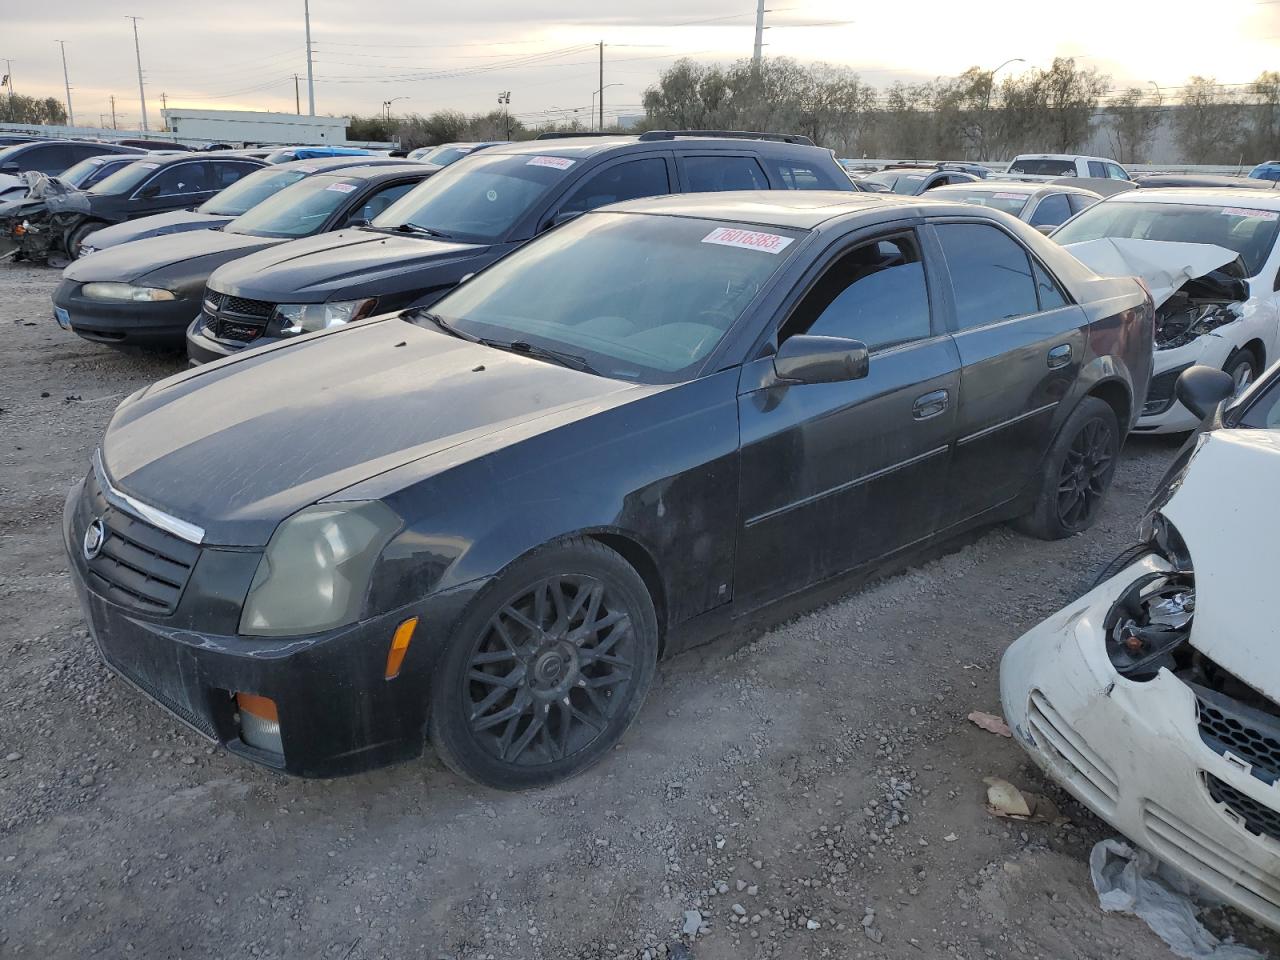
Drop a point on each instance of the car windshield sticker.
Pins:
(1009, 196)
(341, 187)
(559, 163)
(915, 176)
(747, 239)
(465, 149)
(97, 161)
(1246, 212)
(149, 166)
(307, 169)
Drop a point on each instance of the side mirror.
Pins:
(564, 216)
(805, 359)
(149, 191)
(358, 222)
(1202, 388)
(1047, 229)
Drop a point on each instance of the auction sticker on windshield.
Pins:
(747, 239)
(1246, 212)
(1009, 196)
(341, 187)
(559, 163)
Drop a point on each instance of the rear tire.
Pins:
(1076, 473)
(546, 669)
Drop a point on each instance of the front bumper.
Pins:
(159, 324)
(1169, 415)
(338, 714)
(203, 347)
(1133, 754)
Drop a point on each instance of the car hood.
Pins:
(1225, 503)
(1164, 265)
(235, 447)
(314, 269)
(135, 260)
(160, 224)
(9, 182)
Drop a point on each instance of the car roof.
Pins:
(1206, 196)
(583, 147)
(1014, 186)
(382, 171)
(1061, 156)
(325, 164)
(798, 209)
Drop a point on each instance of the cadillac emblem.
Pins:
(94, 538)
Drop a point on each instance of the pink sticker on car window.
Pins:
(747, 239)
(558, 163)
(1246, 212)
(341, 187)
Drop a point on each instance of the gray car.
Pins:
(1042, 205)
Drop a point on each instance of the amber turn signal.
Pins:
(399, 647)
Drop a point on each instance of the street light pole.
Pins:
(986, 105)
(142, 95)
(311, 83)
(593, 103)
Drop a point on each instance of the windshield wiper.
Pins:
(443, 324)
(423, 231)
(570, 360)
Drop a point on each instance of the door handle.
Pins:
(930, 405)
(1059, 356)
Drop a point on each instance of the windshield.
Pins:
(76, 176)
(1249, 232)
(1008, 202)
(250, 191)
(7, 153)
(638, 297)
(297, 210)
(443, 156)
(1044, 168)
(479, 201)
(126, 178)
(896, 182)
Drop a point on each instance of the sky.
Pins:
(427, 55)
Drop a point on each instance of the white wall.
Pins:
(244, 126)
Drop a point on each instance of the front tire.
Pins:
(1076, 473)
(546, 669)
(79, 235)
(1242, 367)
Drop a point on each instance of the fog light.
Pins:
(259, 722)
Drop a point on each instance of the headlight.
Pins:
(315, 572)
(290, 319)
(126, 291)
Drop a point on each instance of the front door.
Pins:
(1021, 344)
(835, 475)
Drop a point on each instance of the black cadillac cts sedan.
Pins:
(485, 523)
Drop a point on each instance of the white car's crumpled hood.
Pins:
(1228, 512)
(1163, 265)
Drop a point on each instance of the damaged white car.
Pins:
(1224, 312)
(1155, 698)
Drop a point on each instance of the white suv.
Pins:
(1053, 166)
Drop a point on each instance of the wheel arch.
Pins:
(642, 561)
(1115, 394)
(1259, 351)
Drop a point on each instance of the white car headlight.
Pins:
(126, 292)
(291, 319)
(315, 571)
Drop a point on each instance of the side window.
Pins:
(1097, 169)
(990, 274)
(1079, 202)
(623, 181)
(82, 151)
(875, 293)
(1051, 211)
(1264, 410)
(1047, 289)
(797, 175)
(51, 159)
(379, 201)
(178, 180)
(714, 174)
(225, 173)
(1116, 173)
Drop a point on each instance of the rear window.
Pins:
(896, 182)
(996, 199)
(1249, 232)
(1044, 168)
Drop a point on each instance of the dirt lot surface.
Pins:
(812, 790)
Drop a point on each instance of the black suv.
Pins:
(478, 210)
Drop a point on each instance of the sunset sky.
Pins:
(238, 54)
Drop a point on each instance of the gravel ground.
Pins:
(808, 789)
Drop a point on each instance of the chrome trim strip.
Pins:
(847, 485)
(166, 522)
(986, 431)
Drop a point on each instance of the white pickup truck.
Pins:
(1054, 166)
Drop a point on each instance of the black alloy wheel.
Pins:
(1086, 474)
(1076, 473)
(547, 670)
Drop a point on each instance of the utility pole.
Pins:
(601, 91)
(297, 99)
(504, 101)
(8, 76)
(759, 49)
(113, 112)
(311, 83)
(142, 94)
(66, 82)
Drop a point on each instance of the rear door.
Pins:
(1021, 343)
(835, 475)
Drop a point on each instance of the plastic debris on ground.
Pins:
(1133, 881)
(1006, 800)
(991, 723)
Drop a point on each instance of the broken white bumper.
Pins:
(1133, 754)
(1161, 411)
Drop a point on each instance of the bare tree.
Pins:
(1264, 116)
(1069, 97)
(1132, 121)
(21, 109)
(1208, 124)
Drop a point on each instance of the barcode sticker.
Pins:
(1246, 212)
(747, 239)
(559, 163)
(1010, 196)
(342, 187)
